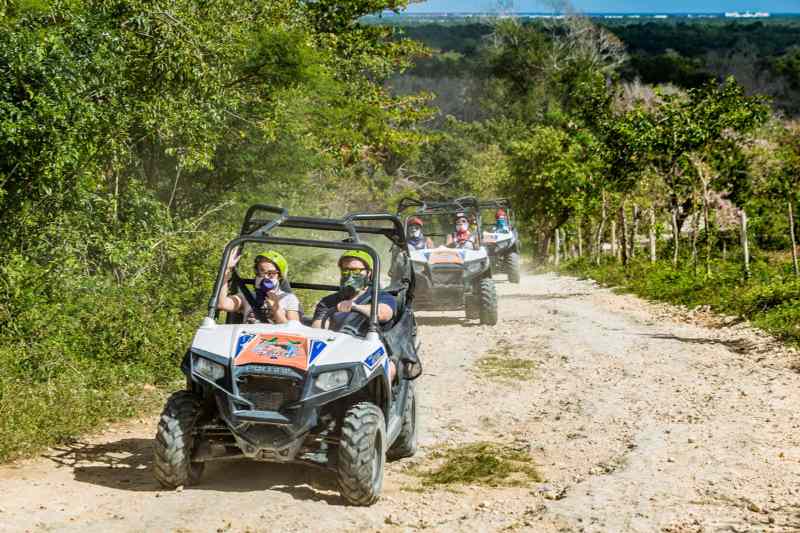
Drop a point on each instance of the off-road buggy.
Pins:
(502, 242)
(290, 393)
(449, 278)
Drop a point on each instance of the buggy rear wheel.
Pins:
(512, 267)
(488, 296)
(362, 454)
(406, 443)
(175, 442)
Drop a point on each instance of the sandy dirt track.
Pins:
(637, 421)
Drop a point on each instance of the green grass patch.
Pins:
(480, 463)
(506, 367)
(769, 298)
(500, 363)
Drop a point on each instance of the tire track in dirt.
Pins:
(637, 422)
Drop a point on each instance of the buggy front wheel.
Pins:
(488, 295)
(362, 454)
(512, 267)
(175, 442)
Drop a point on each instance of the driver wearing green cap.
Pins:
(270, 304)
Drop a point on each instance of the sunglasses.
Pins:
(352, 271)
(271, 273)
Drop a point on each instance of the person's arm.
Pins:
(385, 311)
(319, 313)
(226, 302)
(289, 308)
(428, 242)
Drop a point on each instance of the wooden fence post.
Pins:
(676, 236)
(794, 239)
(652, 234)
(745, 242)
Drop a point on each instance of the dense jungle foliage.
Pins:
(133, 134)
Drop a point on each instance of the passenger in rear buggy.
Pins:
(272, 305)
(353, 296)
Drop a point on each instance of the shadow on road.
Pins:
(740, 346)
(127, 465)
(446, 321)
(543, 297)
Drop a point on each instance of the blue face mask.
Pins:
(263, 287)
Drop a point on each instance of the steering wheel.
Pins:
(352, 324)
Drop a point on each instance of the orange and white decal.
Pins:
(442, 257)
(275, 349)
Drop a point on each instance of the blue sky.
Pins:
(650, 6)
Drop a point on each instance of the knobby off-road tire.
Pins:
(488, 302)
(362, 454)
(512, 267)
(406, 443)
(472, 305)
(174, 442)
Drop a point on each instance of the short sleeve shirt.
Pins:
(286, 301)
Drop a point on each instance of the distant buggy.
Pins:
(451, 278)
(290, 393)
(501, 238)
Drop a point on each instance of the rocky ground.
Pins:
(637, 417)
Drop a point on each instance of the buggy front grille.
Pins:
(447, 276)
(268, 393)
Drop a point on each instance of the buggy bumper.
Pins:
(271, 413)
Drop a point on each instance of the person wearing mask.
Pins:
(353, 296)
(414, 237)
(271, 304)
(501, 221)
(462, 237)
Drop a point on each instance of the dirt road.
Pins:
(635, 421)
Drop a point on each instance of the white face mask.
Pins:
(415, 233)
(461, 227)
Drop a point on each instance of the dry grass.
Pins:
(480, 463)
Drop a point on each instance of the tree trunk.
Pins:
(745, 242)
(558, 249)
(794, 239)
(614, 239)
(544, 247)
(580, 239)
(634, 231)
(623, 234)
(707, 224)
(652, 234)
(601, 231)
(676, 236)
(695, 230)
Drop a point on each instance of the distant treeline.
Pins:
(764, 56)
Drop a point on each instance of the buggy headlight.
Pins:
(332, 380)
(208, 369)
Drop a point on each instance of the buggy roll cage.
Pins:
(497, 203)
(467, 204)
(258, 230)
